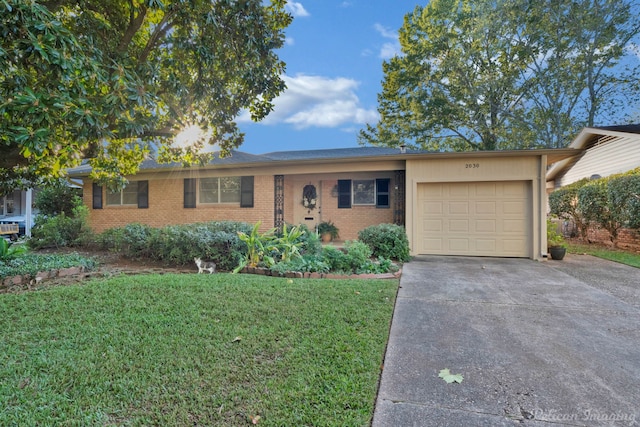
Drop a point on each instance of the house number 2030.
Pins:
(471, 165)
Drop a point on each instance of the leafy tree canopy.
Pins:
(115, 80)
(506, 74)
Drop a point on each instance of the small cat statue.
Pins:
(205, 266)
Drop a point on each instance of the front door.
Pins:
(307, 202)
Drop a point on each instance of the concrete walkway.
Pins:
(538, 343)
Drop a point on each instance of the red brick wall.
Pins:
(351, 221)
(166, 202)
(627, 239)
(166, 208)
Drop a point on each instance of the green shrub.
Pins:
(31, 264)
(597, 208)
(61, 230)
(304, 264)
(563, 203)
(57, 198)
(624, 194)
(179, 244)
(111, 240)
(387, 241)
(335, 259)
(352, 259)
(381, 265)
(358, 254)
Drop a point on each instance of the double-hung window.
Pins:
(363, 192)
(219, 190)
(136, 193)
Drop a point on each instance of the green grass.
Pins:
(623, 257)
(184, 350)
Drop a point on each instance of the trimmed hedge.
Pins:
(179, 244)
(386, 241)
(610, 203)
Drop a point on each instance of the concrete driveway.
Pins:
(538, 343)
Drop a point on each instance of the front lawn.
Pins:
(194, 350)
(601, 251)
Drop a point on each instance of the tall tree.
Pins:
(485, 75)
(579, 76)
(114, 80)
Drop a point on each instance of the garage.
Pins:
(475, 219)
(489, 204)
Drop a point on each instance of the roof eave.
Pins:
(553, 155)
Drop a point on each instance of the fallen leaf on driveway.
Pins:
(449, 378)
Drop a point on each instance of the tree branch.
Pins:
(161, 30)
(135, 22)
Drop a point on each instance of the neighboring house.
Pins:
(17, 207)
(606, 151)
(474, 203)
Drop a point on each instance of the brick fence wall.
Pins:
(627, 239)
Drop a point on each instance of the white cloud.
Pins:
(289, 41)
(386, 32)
(389, 49)
(317, 101)
(296, 9)
(346, 4)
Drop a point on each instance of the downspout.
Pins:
(542, 178)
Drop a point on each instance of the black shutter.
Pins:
(382, 193)
(143, 194)
(344, 193)
(246, 192)
(189, 192)
(97, 196)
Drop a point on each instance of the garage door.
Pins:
(476, 219)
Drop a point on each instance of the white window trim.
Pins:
(198, 191)
(353, 192)
(121, 192)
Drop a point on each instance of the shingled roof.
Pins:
(336, 153)
(240, 157)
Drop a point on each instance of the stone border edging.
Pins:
(307, 275)
(28, 279)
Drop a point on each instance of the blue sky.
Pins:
(334, 54)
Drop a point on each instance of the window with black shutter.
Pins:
(344, 193)
(143, 194)
(246, 192)
(382, 192)
(189, 192)
(97, 196)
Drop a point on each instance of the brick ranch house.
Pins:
(473, 203)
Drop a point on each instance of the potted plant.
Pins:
(555, 242)
(327, 231)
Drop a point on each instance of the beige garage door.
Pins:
(477, 219)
